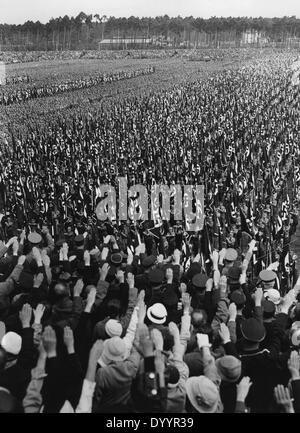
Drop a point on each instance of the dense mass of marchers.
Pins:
(148, 316)
(23, 94)
(213, 54)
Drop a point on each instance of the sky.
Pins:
(19, 11)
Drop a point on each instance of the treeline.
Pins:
(85, 31)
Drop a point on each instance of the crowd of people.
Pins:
(215, 54)
(23, 94)
(17, 79)
(149, 316)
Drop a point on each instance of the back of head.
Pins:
(253, 332)
(172, 376)
(268, 309)
(114, 351)
(61, 291)
(199, 318)
(113, 309)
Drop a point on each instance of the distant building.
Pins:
(125, 43)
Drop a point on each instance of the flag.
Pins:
(244, 223)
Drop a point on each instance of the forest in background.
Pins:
(84, 32)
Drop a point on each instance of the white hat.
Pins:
(273, 295)
(157, 313)
(114, 351)
(12, 343)
(113, 328)
(203, 394)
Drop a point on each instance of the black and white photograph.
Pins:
(149, 207)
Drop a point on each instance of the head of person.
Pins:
(198, 319)
(233, 277)
(273, 296)
(202, 396)
(269, 309)
(114, 308)
(148, 263)
(11, 345)
(116, 260)
(199, 283)
(156, 314)
(239, 299)
(114, 351)
(172, 376)
(268, 279)
(34, 240)
(229, 368)
(295, 312)
(156, 278)
(108, 329)
(230, 257)
(61, 291)
(253, 333)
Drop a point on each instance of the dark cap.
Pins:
(156, 276)
(194, 269)
(268, 306)
(79, 240)
(252, 330)
(234, 273)
(238, 298)
(148, 261)
(199, 280)
(116, 258)
(34, 238)
(267, 276)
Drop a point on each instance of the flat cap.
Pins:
(194, 269)
(267, 276)
(116, 258)
(148, 261)
(156, 276)
(268, 306)
(231, 255)
(34, 238)
(238, 298)
(234, 273)
(199, 280)
(252, 330)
